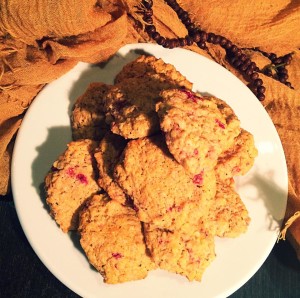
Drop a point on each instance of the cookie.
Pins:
(239, 158)
(71, 181)
(130, 107)
(207, 183)
(111, 236)
(228, 216)
(151, 65)
(130, 104)
(233, 128)
(159, 186)
(107, 156)
(188, 254)
(195, 128)
(88, 115)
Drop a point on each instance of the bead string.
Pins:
(277, 69)
(234, 54)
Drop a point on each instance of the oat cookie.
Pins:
(151, 65)
(239, 158)
(131, 107)
(111, 236)
(107, 155)
(88, 115)
(188, 254)
(196, 130)
(158, 185)
(233, 127)
(71, 182)
(130, 104)
(208, 184)
(228, 216)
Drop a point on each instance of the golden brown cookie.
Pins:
(195, 128)
(130, 103)
(228, 216)
(188, 254)
(111, 236)
(159, 186)
(107, 156)
(131, 107)
(71, 182)
(88, 115)
(144, 65)
(239, 158)
(233, 128)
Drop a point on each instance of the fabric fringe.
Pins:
(289, 222)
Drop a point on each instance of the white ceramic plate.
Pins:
(45, 132)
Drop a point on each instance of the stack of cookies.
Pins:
(148, 179)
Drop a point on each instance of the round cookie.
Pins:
(130, 103)
(111, 236)
(130, 107)
(107, 156)
(239, 158)
(151, 65)
(88, 115)
(196, 130)
(71, 182)
(159, 186)
(188, 254)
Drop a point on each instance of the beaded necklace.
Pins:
(234, 54)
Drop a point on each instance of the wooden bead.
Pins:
(196, 36)
(254, 76)
(155, 35)
(223, 41)
(203, 36)
(258, 82)
(228, 45)
(182, 42)
(148, 19)
(201, 44)
(147, 3)
(167, 43)
(161, 40)
(217, 39)
(189, 40)
(261, 89)
(260, 96)
(211, 37)
(150, 29)
(234, 49)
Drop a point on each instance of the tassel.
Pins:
(288, 223)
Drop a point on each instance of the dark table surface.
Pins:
(22, 274)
